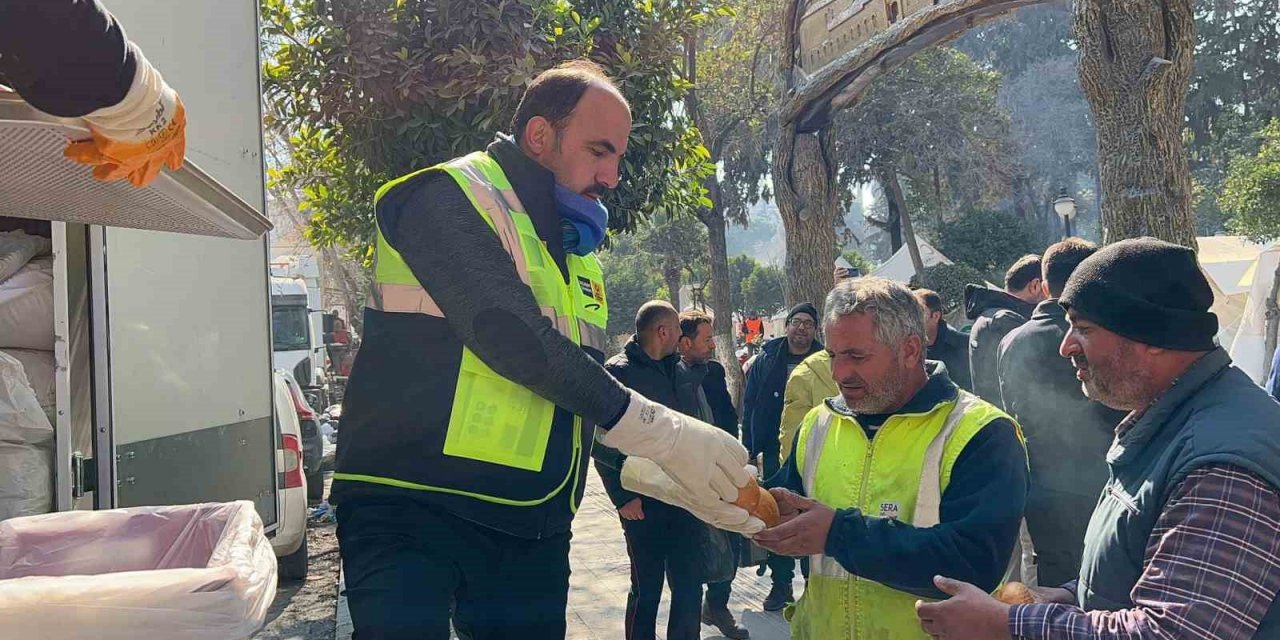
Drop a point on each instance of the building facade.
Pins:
(829, 28)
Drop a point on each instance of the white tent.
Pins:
(1226, 261)
(899, 268)
(1248, 349)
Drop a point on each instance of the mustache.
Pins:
(597, 190)
(1080, 362)
(853, 381)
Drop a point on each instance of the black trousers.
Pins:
(405, 562)
(664, 545)
(782, 569)
(718, 592)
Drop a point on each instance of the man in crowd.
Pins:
(807, 387)
(662, 540)
(469, 414)
(906, 476)
(1067, 434)
(1182, 543)
(946, 344)
(702, 386)
(995, 313)
(762, 417)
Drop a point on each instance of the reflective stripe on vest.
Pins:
(493, 419)
(900, 474)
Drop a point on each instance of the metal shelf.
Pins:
(37, 182)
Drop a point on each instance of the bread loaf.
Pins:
(1015, 593)
(759, 503)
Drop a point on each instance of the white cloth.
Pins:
(643, 476)
(707, 462)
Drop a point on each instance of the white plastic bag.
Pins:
(201, 572)
(26, 446)
(41, 368)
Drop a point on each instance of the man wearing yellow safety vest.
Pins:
(906, 476)
(469, 414)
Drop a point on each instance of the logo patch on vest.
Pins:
(593, 290)
(890, 510)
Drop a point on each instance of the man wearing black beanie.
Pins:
(1182, 542)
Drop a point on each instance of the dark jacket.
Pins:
(1067, 439)
(952, 349)
(762, 401)
(64, 57)
(399, 400)
(653, 379)
(1213, 414)
(709, 380)
(994, 313)
(981, 510)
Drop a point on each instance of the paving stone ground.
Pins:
(598, 586)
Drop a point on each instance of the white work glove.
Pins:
(139, 136)
(644, 476)
(707, 462)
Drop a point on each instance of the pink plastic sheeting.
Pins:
(203, 571)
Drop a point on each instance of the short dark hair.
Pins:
(930, 299)
(690, 321)
(1061, 260)
(555, 93)
(651, 313)
(1026, 269)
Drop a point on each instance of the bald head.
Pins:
(658, 328)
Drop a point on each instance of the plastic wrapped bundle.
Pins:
(202, 572)
(26, 446)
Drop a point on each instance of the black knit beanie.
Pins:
(803, 307)
(1146, 290)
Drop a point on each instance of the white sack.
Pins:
(26, 307)
(198, 572)
(17, 249)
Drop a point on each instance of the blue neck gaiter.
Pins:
(583, 219)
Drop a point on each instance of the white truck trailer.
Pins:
(161, 313)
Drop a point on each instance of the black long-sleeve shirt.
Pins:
(980, 514)
(67, 58)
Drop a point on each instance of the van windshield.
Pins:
(290, 327)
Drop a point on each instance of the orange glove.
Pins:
(140, 162)
(140, 135)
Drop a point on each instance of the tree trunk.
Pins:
(671, 275)
(721, 304)
(896, 195)
(895, 222)
(1135, 69)
(803, 176)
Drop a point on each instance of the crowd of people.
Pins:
(916, 470)
(1086, 438)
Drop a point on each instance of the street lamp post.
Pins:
(1065, 206)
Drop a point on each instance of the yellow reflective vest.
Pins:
(495, 446)
(900, 474)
